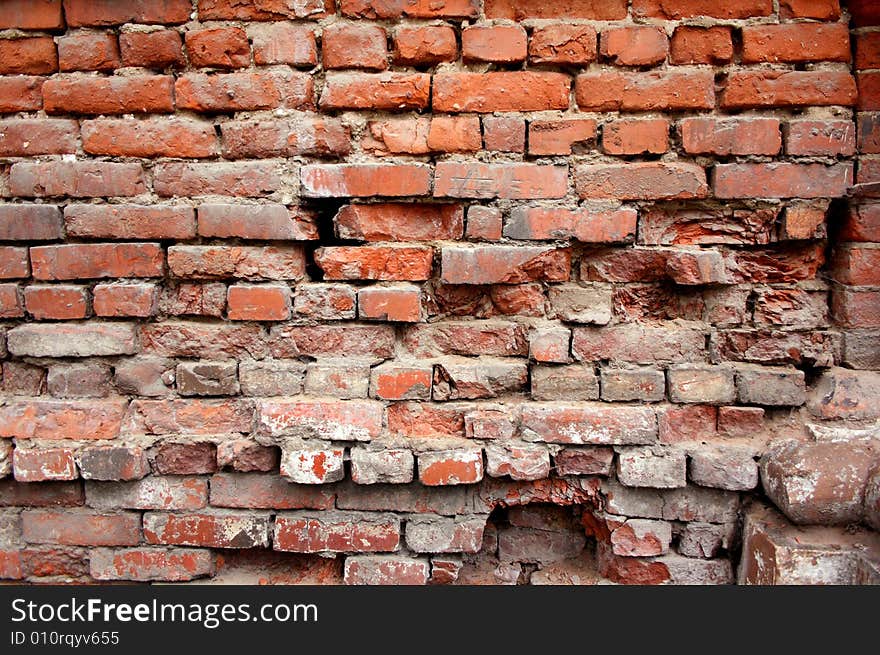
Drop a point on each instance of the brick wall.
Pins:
(479, 291)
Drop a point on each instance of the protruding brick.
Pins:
(151, 564)
(503, 264)
(336, 532)
(450, 467)
(167, 493)
(80, 527)
(394, 466)
(113, 463)
(313, 465)
(771, 386)
(43, 464)
(655, 467)
(386, 570)
(218, 529)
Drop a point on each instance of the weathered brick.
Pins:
(167, 493)
(651, 466)
(355, 420)
(575, 382)
(146, 94)
(193, 339)
(500, 91)
(352, 45)
(151, 564)
(158, 50)
(113, 463)
(753, 89)
(386, 570)
(62, 419)
(723, 467)
(689, 383)
(258, 491)
(79, 179)
(218, 529)
(672, 91)
(338, 532)
(771, 386)
(244, 91)
(264, 10)
(641, 181)
(81, 527)
(399, 222)
(190, 416)
(584, 461)
(376, 91)
(313, 465)
(503, 264)
(338, 378)
(401, 303)
(441, 468)
(627, 384)
(258, 302)
(424, 45)
(365, 180)
(86, 380)
(403, 263)
(250, 262)
(430, 534)
(43, 464)
(510, 181)
(57, 301)
(367, 341)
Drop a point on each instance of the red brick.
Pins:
(504, 264)
(584, 461)
(384, 569)
(244, 91)
(187, 458)
(867, 50)
(455, 134)
(505, 44)
(424, 45)
(329, 302)
(701, 45)
(313, 465)
(413, 8)
(641, 181)
(158, 50)
(193, 299)
(740, 421)
(525, 9)
(561, 137)
(670, 91)
(804, 221)
(247, 456)
(336, 532)
(273, 138)
(189, 416)
(781, 180)
(146, 94)
(379, 91)
(616, 226)
(118, 300)
(855, 307)
(679, 424)
(13, 262)
(268, 10)
(392, 381)
(21, 93)
(515, 181)
(820, 138)
(589, 423)
(81, 179)
(399, 304)
(562, 44)
(402, 135)
(755, 89)
(220, 47)
(10, 564)
(635, 137)
(125, 221)
(151, 564)
(47, 136)
(504, 133)
(113, 463)
(44, 464)
(500, 91)
(375, 262)
(32, 15)
(247, 179)
(56, 302)
(856, 266)
(499, 338)
(643, 344)
(795, 42)
(365, 180)
(215, 530)
(88, 52)
(428, 534)
(80, 527)
(372, 341)
(258, 303)
(88, 12)
(99, 260)
(10, 301)
(450, 467)
(31, 56)
(149, 138)
(818, 9)
(399, 222)
(425, 420)
(40, 494)
(862, 223)
(675, 9)
(349, 45)
(483, 223)
(20, 379)
(634, 46)
(263, 222)
(731, 136)
(283, 43)
(255, 491)
(868, 126)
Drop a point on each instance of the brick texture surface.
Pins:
(304, 281)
